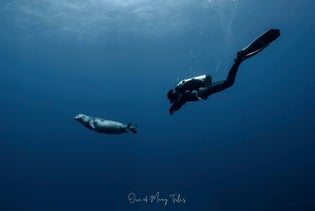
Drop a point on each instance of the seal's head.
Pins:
(80, 117)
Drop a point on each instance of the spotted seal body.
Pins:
(105, 126)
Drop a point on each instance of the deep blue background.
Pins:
(250, 147)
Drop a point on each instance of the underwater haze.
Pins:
(248, 148)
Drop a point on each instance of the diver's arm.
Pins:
(182, 98)
(177, 104)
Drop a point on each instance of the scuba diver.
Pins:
(201, 87)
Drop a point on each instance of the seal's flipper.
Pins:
(91, 123)
(258, 44)
(132, 128)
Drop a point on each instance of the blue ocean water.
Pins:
(250, 147)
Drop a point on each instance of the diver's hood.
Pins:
(172, 95)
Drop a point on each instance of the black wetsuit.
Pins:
(195, 90)
(185, 95)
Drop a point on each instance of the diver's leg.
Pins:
(232, 73)
(255, 47)
(219, 86)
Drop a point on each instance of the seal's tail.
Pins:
(132, 128)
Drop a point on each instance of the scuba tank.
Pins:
(194, 83)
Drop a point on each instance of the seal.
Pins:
(105, 126)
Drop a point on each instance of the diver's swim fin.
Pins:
(258, 44)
